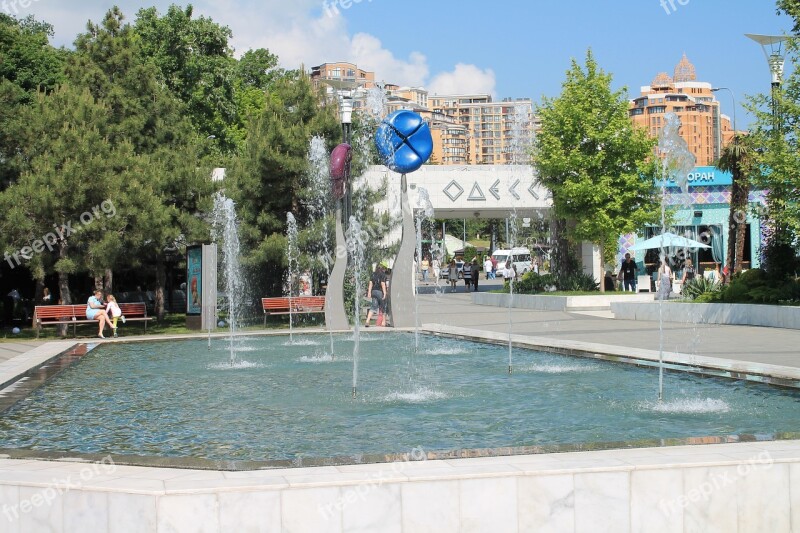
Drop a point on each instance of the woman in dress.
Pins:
(452, 275)
(664, 281)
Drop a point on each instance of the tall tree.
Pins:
(593, 159)
(27, 63)
(167, 195)
(736, 159)
(26, 56)
(61, 206)
(775, 134)
(269, 177)
(196, 63)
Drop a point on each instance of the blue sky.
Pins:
(512, 48)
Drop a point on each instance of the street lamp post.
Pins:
(772, 45)
(345, 91)
(733, 97)
(774, 51)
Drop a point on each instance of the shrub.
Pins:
(758, 286)
(533, 283)
(708, 297)
(577, 282)
(700, 286)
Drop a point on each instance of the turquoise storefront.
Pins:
(702, 213)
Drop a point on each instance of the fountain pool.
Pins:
(289, 401)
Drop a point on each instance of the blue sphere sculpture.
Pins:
(404, 141)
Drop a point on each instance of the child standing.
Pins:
(114, 312)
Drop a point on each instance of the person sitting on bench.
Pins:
(95, 310)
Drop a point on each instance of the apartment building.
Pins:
(703, 126)
(450, 138)
(466, 129)
(500, 133)
(347, 73)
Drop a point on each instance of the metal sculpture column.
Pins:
(404, 144)
(335, 314)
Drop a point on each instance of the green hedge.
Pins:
(533, 283)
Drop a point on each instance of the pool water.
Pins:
(284, 401)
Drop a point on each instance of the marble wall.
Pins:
(729, 487)
(774, 316)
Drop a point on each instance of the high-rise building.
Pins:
(450, 139)
(704, 128)
(500, 133)
(466, 129)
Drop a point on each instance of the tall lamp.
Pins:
(775, 52)
(733, 97)
(345, 91)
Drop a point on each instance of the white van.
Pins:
(521, 257)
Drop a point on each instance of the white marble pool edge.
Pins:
(748, 486)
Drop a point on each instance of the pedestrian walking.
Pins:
(452, 275)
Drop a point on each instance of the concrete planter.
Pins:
(772, 316)
(541, 302)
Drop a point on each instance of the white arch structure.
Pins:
(473, 191)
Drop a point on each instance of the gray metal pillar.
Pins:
(402, 282)
(335, 314)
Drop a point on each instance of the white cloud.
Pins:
(368, 53)
(464, 79)
(300, 32)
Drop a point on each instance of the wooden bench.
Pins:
(135, 312)
(56, 315)
(285, 305)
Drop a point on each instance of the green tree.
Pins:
(173, 186)
(62, 198)
(791, 8)
(737, 159)
(594, 160)
(27, 63)
(26, 57)
(270, 176)
(775, 162)
(196, 63)
(774, 136)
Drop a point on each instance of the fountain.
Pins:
(520, 148)
(279, 406)
(424, 212)
(318, 164)
(355, 247)
(225, 228)
(292, 258)
(677, 163)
